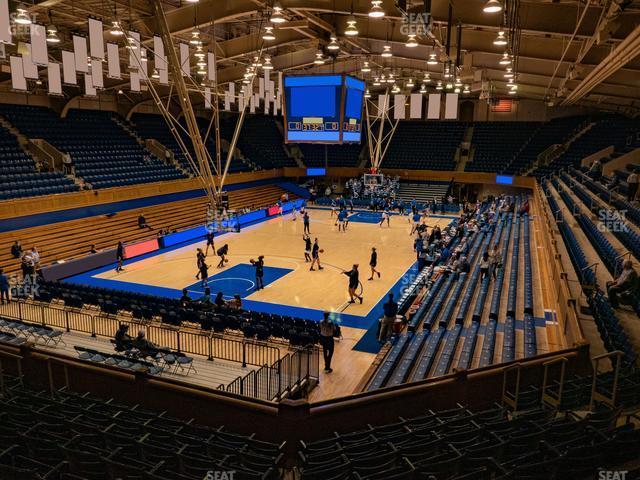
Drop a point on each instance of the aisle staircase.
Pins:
(422, 192)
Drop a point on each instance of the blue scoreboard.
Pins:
(323, 109)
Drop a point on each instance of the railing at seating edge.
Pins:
(276, 378)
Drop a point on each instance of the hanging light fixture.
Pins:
(319, 60)
(52, 34)
(22, 17)
(439, 85)
(500, 39)
(195, 38)
(267, 63)
(447, 72)
(131, 43)
(458, 82)
(351, 30)
(192, 1)
(449, 86)
(386, 51)
(506, 59)
(201, 71)
(256, 62)
(492, 6)
(376, 10)
(333, 44)
(391, 79)
(395, 89)
(508, 73)
(376, 81)
(456, 90)
(427, 77)
(410, 83)
(201, 63)
(155, 74)
(466, 89)
(365, 68)
(143, 55)
(423, 88)
(513, 91)
(199, 53)
(411, 42)
(367, 94)
(276, 16)
(432, 59)
(116, 31)
(268, 33)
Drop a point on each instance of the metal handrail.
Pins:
(601, 397)
(548, 398)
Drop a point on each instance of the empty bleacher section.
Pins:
(496, 144)
(72, 239)
(347, 155)
(423, 192)
(102, 153)
(20, 177)
(261, 142)
(78, 436)
(425, 145)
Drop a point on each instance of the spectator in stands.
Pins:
(524, 208)
(496, 260)
(204, 299)
(623, 283)
(4, 287)
(141, 342)
(119, 256)
(236, 303)
(390, 309)
(327, 331)
(142, 222)
(35, 258)
(219, 301)
(632, 182)
(484, 265)
(595, 171)
(185, 299)
(122, 338)
(92, 249)
(16, 249)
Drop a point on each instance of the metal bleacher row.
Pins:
(65, 435)
(435, 333)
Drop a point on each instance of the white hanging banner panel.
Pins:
(29, 68)
(134, 77)
(96, 73)
(89, 90)
(39, 54)
(266, 106)
(143, 63)
(207, 98)
(415, 106)
(451, 106)
(240, 101)
(55, 82)
(211, 66)
(113, 57)
(252, 104)
(433, 109)
(96, 39)
(69, 68)
(135, 57)
(261, 87)
(80, 51)
(232, 92)
(159, 59)
(184, 59)
(164, 74)
(18, 82)
(5, 22)
(227, 101)
(399, 107)
(383, 104)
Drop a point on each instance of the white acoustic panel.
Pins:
(135, 57)
(261, 87)
(415, 106)
(240, 101)
(113, 61)
(18, 82)
(252, 104)
(272, 89)
(96, 73)
(69, 68)
(227, 101)
(266, 106)
(158, 53)
(164, 75)
(433, 109)
(207, 98)
(211, 66)
(232, 92)
(143, 63)
(399, 110)
(96, 39)
(184, 59)
(134, 78)
(55, 81)
(89, 89)
(5, 22)
(29, 68)
(39, 54)
(383, 104)
(80, 52)
(451, 106)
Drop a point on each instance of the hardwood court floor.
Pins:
(280, 241)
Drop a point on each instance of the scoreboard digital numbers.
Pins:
(323, 109)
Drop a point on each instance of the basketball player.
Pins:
(341, 220)
(307, 247)
(305, 219)
(209, 237)
(385, 217)
(354, 282)
(119, 257)
(333, 207)
(373, 263)
(259, 264)
(200, 259)
(416, 222)
(222, 253)
(204, 274)
(315, 255)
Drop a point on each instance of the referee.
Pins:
(354, 282)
